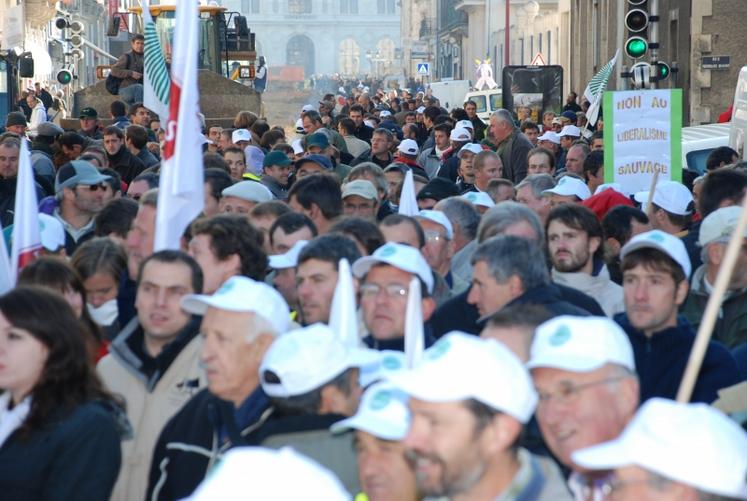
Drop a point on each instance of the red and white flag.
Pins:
(26, 239)
(181, 188)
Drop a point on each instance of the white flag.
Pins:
(6, 283)
(343, 319)
(181, 188)
(414, 334)
(596, 87)
(156, 80)
(408, 204)
(26, 239)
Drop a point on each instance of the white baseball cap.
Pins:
(308, 107)
(471, 147)
(241, 135)
(400, 256)
(251, 191)
(290, 258)
(465, 124)
(462, 366)
(671, 196)
(52, 233)
(692, 444)
(385, 113)
(460, 134)
(299, 126)
(551, 136)
(664, 242)
(718, 225)
(437, 217)
(610, 186)
(242, 294)
(308, 358)
(569, 185)
(580, 344)
(382, 412)
(297, 147)
(390, 361)
(479, 198)
(408, 147)
(420, 110)
(270, 471)
(570, 130)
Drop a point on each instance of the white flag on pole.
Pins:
(181, 188)
(26, 238)
(596, 87)
(343, 319)
(156, 80)
(414, 333)
(6, 283)
(408, 204)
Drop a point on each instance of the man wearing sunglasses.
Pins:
(79, 189)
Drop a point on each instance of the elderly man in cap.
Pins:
(569, 190)
(240, 322)
(465, 428)
(380, 425)
(359, 198)
(385, 279)
(79, 188)
(241, 197)
(275, 172)
(513, 146)
(584, 372)
(312, 164)
(673, 451)
(439, 248)
(731, 326)
(655, 268)
(529, 193)
(16, 123)
(89, 124)
(311, 377)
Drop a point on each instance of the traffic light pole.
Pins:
(654, 39)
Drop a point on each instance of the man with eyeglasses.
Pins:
(79, 189)
(584, 372)
(439, 247)
(673, 451)
(385, 280)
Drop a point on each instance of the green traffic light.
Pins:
(64, 77)
(636, 47)
(663, 70)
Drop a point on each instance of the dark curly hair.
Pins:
(68, 378)
(234, 234)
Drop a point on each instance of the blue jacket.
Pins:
(661, 360)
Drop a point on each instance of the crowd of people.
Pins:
(558, 313)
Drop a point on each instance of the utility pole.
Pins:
(507, 41)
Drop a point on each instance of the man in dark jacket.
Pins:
(380, 152)
(240, 322)
(129, 67)
(9, 153)
(120, 159)
(513, 146)
(136, 139)
(655, 268)
(89, 124)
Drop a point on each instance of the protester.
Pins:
(61, 429)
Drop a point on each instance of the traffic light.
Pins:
(65, 76)
(660, 70)
(637, 22)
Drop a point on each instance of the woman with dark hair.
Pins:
(59, 429)
(101, 263)
(56, 274)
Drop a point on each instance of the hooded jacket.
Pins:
(154, 390)
(608, 294)
(660, 362)
(731, 324)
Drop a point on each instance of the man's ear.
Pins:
(429, 306)
(613, 246)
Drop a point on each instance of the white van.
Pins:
(450, 93)
(487, 102)
(698, 141)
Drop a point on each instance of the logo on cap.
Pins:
(438, 350)
(471, 196)
(391, 363)
(656, 237)
(560, 336)
(388, 250)
(225, 288)
(563, 180)
(380, 400)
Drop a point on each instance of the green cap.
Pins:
(276, 158)
(317, 139)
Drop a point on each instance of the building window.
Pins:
(380, 6)
(353, 6)
(344, 7)
(299, 6)
(250, 6)
(390, 6)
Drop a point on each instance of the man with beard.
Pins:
(574, 241)
(464, 427)
(80, 190)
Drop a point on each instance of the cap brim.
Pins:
(377, 428)
(198, 304)
(605, 456)
(565, 363)
(419, 384)
(280, 262)
(364, 264)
